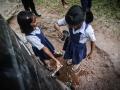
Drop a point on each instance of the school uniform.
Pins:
(76, 47)
(38, 41)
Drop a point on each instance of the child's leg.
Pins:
(32, 6)
(89, 4)
(86, 4)
(26, 5)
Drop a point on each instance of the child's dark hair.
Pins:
(24, 19)
(89, 17)
(75, 15)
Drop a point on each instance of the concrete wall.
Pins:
(9, 0)
(8, 7)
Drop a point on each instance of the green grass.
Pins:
(100, 7)
(56, 5)
(106, 8)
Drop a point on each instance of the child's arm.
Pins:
(57, 27)
(47, 51)
(92, 49)
(91, 35)
(58, 24)
(35, 41)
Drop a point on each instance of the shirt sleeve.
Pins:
(90, 32)
(35, 41)
(61, 22)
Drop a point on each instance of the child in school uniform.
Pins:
(80, 33)
(88, 20)
(34, 35)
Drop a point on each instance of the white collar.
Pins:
(36, 31)
(81, 29)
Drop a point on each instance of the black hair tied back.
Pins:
(75, 15)
(24, 19)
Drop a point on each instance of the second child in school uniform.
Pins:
(40, 44)
(79, 35)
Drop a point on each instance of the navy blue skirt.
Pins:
(76, 52)
(40, 53)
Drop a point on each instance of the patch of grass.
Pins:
(100, 8)
(111, 11)
(106, 8)
(56, 5)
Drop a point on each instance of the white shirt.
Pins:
(87, 35)
(34, 40)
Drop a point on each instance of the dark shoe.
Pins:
(35, 12)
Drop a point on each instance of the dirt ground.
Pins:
(102, 72)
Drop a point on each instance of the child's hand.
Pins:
(58, 64)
